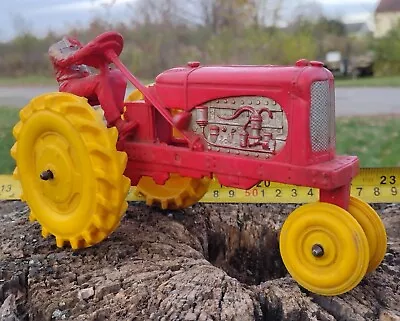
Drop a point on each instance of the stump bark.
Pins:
(209, 262)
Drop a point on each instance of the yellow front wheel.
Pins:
(178, 192)
(374, 229)
(71, 174)
(324, 248)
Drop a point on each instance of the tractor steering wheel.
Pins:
(94, 53)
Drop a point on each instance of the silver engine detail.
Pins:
(246, 125)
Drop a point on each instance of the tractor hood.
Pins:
(195, 84)
(229, 75)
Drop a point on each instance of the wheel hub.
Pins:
(317, 250)
(46, 175)
(58, 174)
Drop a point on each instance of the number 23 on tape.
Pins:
(380, 185)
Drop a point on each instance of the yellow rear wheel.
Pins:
(136, 94)
(374, 229)
(324, 248)
(71, 174)
(178, 192)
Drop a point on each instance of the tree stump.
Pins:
(209, 262)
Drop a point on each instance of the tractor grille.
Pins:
(322, 116)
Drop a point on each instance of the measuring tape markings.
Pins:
(373, 185)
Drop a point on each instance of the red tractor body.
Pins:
(256, 123)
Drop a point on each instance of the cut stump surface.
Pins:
(209, 262)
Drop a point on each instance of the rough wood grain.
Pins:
(209, 262)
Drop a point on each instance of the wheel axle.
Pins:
(317, 250)
(46, 175)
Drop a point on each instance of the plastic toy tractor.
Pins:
(239, 124)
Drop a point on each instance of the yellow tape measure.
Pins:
(373, 185)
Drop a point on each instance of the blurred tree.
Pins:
(165, 33)
(387, 53)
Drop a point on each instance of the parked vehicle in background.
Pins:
(353, 65)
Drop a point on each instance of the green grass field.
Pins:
(8, 118)
(393, 81)
(374, 140)
(33, 80)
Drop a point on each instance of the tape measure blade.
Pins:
(373, 185)
(377, 185)
(377, 176)
(10, 188)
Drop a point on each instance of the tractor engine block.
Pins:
(245, 125)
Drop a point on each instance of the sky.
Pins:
(349, 10)
(38, 16)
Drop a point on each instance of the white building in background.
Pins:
(387, 16)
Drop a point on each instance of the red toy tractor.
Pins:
(239, 124)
